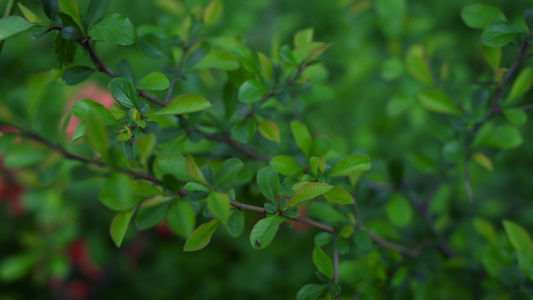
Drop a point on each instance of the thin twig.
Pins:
(177, 73)
(226, 139)
(335, 261)
(468, 187)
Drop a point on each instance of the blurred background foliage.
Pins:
(362, 97)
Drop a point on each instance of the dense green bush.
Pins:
(265, 150)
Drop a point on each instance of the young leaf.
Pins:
(22, 156)
(235, 223)
(96, 11)
(72, 9)
(12, 25)
(96, 134)
(184, 104)
(119, 226)
(521, 85)
(212, 12)
(268, 181)
(287, 56)
(85, 107)
(174, 164)
(219, 205)
(515, 116)
(399, 211)
(117, 193)
(154, 81)
(437, 101)
(151, 212)
(252, 91)
(29, 15)
(499, 33)
(264, 231)
(17, 266)
(503, 137)
(418, 67)
(285, 165)
(518, 236)
(303, 37)
(320, 146)
(270, 130)
(181, 218)
(322, 262)
(311, 291)
(266, 65)
(201, 236)
(244, 130)
(301, 135)
(478, 16)
(221, 60)
(194, 171)
(114, 28)
(229, 169)
(316, 51)
(339, 195)
(124, 92)
(75, 75)
(351, 164)
(482, 160)
(309, 191)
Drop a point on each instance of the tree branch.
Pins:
(226, 139)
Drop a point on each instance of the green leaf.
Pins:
(319, 146)
(525, 262)
(12, 25)
(391, 17)
(515, 116)
(268, 181)
(244, 130)
(478, 16)
(264, 231)
(309, 191)
(72, 9)
(302, 54)
(184, 104)
(119, 226)
(437, 101)
(499, 33)
(221, 60)
(518, 236)
(287, 55)
(96, 134)
(75, 75)
(154, 81)
(151, 212)
(212, 12)
(219, 205)
(285, 165)
(117, 193)
(482, 160)
(96, 11)
(303, 37)
(311, 291)
(85, 107)
(29, 15)
(252, 91)
(124, 92)
(503, 137)
(174, 164)
(339, 195)
(485, 229)
(493, 56)
(521, 85)
(316, 50)
(114, 28)
(156, 45)
(270, 130)
(235, 223)
(16, 266)
(266, 65)
(399, 211)
(194, 171)
(351, 164)
(301, 135)
(417, 66)
(22, 156)
(201, 236)
(322, 262)
(528, 18)
(230, 169)
(64, 50)
(181, 218)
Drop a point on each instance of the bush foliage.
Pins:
(266, 150)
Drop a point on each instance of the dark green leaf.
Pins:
(478, 16)
(229, 169)
(503, 137)
(391, 17)
(12, 25)
(264, 231)
(322, 262)
(311, 291)
(319, 146)
(453, 151)
(235, 223)
(183, 105)
(119, 226)
(528, 17)
(201, 236)
(270, 208)
(72, 9)
(114, 28)
(499, 33)
(322, 239)
(117, 193)
(70, 33)
(181, 218)
(287, 56)
(252, 91)
(75, 75)
(50, 9)
(151, 212)
(244, 130)
(125, 70)
(64, 50)
(96, 11)
(22, 156)
(124, 92)
(417, 65)
(515, 116)
(174, 164)
(156, 45)
(268, 181)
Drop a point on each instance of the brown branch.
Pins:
(335, 261)
(226, 139)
